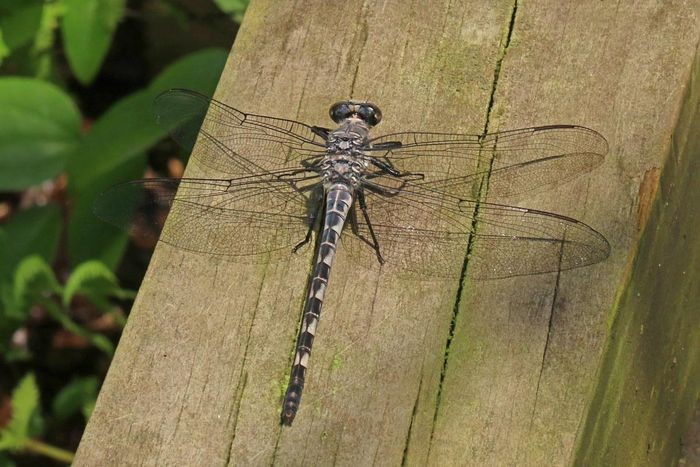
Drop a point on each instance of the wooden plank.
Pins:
(200, 369)
(198, 375)
(649, 382)
(525, 356)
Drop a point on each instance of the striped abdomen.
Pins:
(339, 198)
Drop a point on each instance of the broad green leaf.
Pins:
(128, 128)
(114, 151)
(88, 236)
(88, 26)
(78, 396)
(198, 71)
(25, 401)
(40, 126)
(33, 231)
(96, 282)
(19, 21)
(34, 280)
(236, 8)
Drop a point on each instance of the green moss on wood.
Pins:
(650, 378)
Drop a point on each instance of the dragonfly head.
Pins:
(365, 111)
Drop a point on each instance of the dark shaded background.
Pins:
(53, 341)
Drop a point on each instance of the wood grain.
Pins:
(200, 370)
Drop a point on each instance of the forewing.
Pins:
(517, 161)
(233, 142)
(426, 226)
(239, 218)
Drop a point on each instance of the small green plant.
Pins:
(26, 423)
(57, 261)
(35, 285)
(236, 8)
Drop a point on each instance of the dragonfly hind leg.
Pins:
(312, 224)
(306, 240)
(373, 243)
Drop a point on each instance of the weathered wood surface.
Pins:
(200, 370)
(650, 376)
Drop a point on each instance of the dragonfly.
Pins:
(406, 203)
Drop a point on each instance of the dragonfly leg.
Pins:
(306, 240)
(312, 224)
(352, 220)
(288, 177)
(385, 165)
(311, 162)
(375, 243)
(320, 131)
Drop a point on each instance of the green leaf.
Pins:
(236, 8)
(25, 401)
(19, 21)
(4, 48)
(198, 71)
(78, 396)
(34, 231)
(128, 128)
(96, 282)
(10, 442)
(88, 407)
(114, 151)
(40, 126)
(88, 27)
(45, 39)
(34, 280)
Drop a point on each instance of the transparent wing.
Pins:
(426, 226)
(230, 217)
(425, 234)
(263, 209)
(517, 161)
(232, 142)
(269, 202)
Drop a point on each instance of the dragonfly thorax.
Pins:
(345, 160)
(345, 167)
(351, 136)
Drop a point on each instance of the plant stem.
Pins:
(47, 450)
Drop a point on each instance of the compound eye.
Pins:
(340, 111)
(370, 113)
(365, 113)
